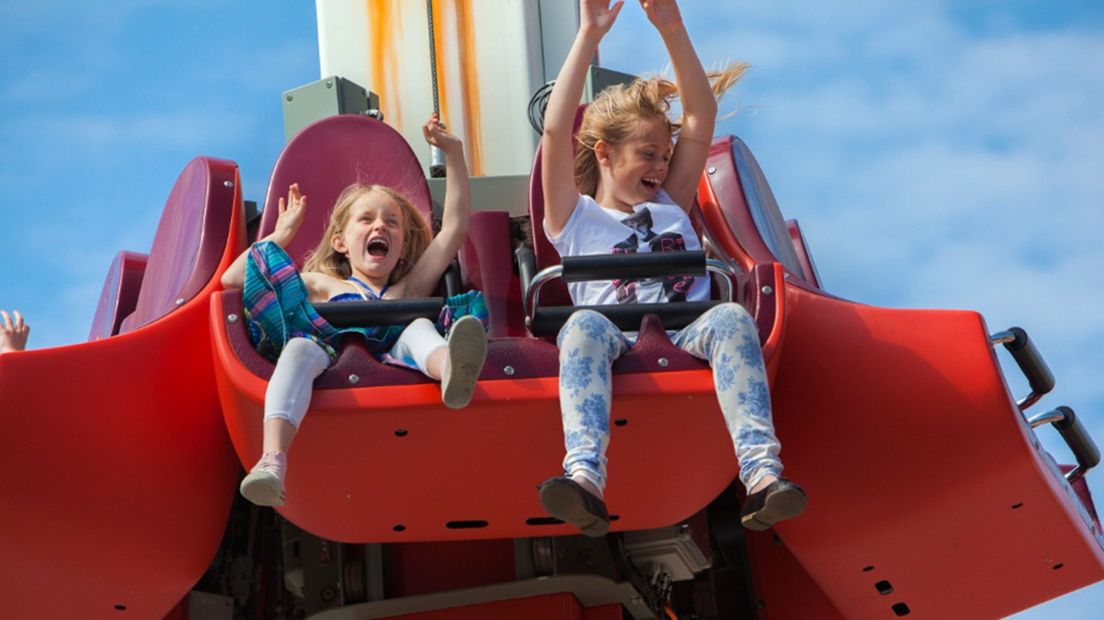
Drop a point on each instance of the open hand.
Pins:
(291, 213)
(13, 333)
(662, 13)
(436, 135)
(598, 15)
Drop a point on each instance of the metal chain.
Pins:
(433, 57)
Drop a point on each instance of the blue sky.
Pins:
(937, 154)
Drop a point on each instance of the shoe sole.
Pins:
(778, 506)
(263, 489)
(467, 343)
(564, 503)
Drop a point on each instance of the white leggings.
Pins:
(302, 360)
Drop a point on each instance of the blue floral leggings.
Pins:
(725, 336)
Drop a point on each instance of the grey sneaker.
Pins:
(264, 486)
(467, 350)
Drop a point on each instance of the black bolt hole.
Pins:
(867, 569)
(399, 528)
(884, 587)
(614, 517)
(400, 432)
(1017, 505)
(466, 525)
(620, 422)
(901, 609)
(542, 521)
(1057, 566)
(120, 607)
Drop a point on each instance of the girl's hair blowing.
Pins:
(617, 111)
(416, 234)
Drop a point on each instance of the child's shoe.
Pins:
(467, 350)
(778, 501)
(569, 502)
(264, 486)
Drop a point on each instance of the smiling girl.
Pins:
(377, 246)
(627, 186)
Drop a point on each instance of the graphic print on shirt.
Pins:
(675, 288)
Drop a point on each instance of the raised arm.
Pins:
(557, 145)
(699, 105)
(287, 224)
(456, 213)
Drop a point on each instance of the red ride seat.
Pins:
(380, 459)
(922, 475)
(118, 471)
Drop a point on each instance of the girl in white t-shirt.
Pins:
(628, 189)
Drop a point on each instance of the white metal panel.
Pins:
(491, 58)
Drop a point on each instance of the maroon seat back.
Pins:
(119, 295)
(190, 241)
(328, 156)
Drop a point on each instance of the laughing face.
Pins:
(636, 168)
(373, 238)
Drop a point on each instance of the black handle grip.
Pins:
(1081, 444)
(1031, 363)
(452, 279)
(527, 266)
(627, 317)
(631, 266)
(371, 313)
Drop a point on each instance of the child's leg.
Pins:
(727, 338)
(589, 343)
(456, 362)
(286, 401)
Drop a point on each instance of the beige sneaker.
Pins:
(467, 350)
(264, 486)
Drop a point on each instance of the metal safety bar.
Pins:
(531, 299)
(1031, 363)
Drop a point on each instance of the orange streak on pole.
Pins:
(469, 84)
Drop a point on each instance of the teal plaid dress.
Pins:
(277, 309)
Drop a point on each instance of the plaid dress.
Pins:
(277, 309)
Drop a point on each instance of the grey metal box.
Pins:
(326, 97)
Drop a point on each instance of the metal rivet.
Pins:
(767, 290)
(663, 363)
(233, 318)
(289, 97)
(508, 370)
(354, 379)
(329, 83)
(180, 301)
(229, 184)
(712, 170)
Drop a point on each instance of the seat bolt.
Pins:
(712, 170)
(663, 363)
(180, 301)
(767, 290)
(354, 379)
(229, 184)
(508, 370)
(233, 318)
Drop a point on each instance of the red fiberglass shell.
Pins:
(379, 459)
(118, 471)
(928, 492)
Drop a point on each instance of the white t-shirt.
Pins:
(660, 226)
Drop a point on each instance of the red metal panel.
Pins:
(424, 568)
(117, 469)
(119, 295)
(921, 473)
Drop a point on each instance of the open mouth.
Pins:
(651, 183)
(378, 247)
